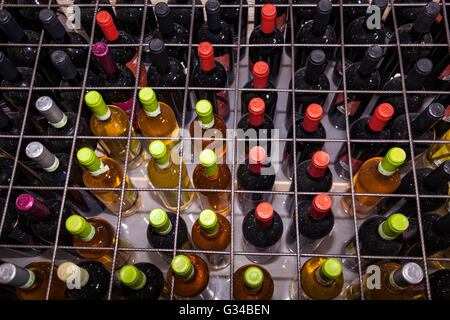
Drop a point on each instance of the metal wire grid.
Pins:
(187, 88)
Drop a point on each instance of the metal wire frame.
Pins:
(232, 252)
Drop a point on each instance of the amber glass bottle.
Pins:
(96, 232)
(208, 125)
(107, 173)
(252, 282)
(213, 232)
(210, 175)
(191, 277)
(376, 175)
(397, 283)
(31, 282)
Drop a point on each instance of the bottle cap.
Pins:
(426, 17)
(204, 111)
(427, 118)
(10, 27)
(52, 24)
(260, 74)
(106, 23)
(7, 69)
(158, 54)
(182, 266)
(257, 158)
(101, 52)
(13, 275)
(206, 55)
(69, 270)
(208, 160)
(147, 97)
(78, 226)
(165, 20)
(370, 60)
(159, 220)
(256, 108)
(88, 159)
(253, 278)
(264, 212)
(62, 62)
(315, 65)
(439, 177)
(95, 102)
(158, 151)
(32, 207)
(383, 113)
(319, 163)
(132, 277)
(42, 156)
(313, 114)
(322, 16)
(322, 204)
(213, 14)
(268, 17)
(331, 268)
(208, 221)
(409, 274)
(382, 4)
(48, 108)
(393, 159)
(418, 73)
(393, 226)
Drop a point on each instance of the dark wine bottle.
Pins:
(78, 55)
(231, 16)
(265, 34)
(165, 71)
(218, 32)
(87, 280)
(308, 127)
(315, 221)
(310, 77)
(182, 16)
(281, 15)
(131, 18)
(161, 233)
(25, 56)
(210, 73)
(29, 13)
(370, 128)
(88, 13)
(260, 81)
(354, 12)
(262, 229)
(63, 124)
(142, 281)
(55, 167)
(443, 125)
(256, 124)
(439, 284)
(171, 33)
(414, 80)
(359, 76)
(407, 14)
(317, 31)
(116, 75)
(255, 175)
(312, 176)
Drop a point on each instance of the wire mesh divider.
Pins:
(233, 140)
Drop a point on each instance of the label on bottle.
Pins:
(280, 21)
(128, 107)
(223, 106)
(446, 116)
(224, 60)
(352, 106)
(133, 66)
(343, 161)
(445, 75)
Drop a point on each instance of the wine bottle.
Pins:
(156, 118)
(163, 172)
(252, 282)
(88, 13)
(161, 233)
(260, 81)
(414, 80)
(132, 18)
(28, 12)
(32, 280)
(307, 126)
(281, 16)
(312, 176)
(438, 153)
(378, 236)
(252, 176)
(256, 124)
(210, 73)
(231, 16)
(213, 232)
(397, 283)
(218, 32)
(439, 79)
(105, 172)
(310, 77)
(321, 279)
(87, 280)
(315, 221)
(117, 75)
(96, 232)
(182, 15)
(73, 77)
(78, 55)
(165, 71)
(361, 75)
(267, 33)
(439, 283)
(317, 31)
(415, 34)
(354, 12)
(369, 127)
(54, 173)
(171, 32)
(142, 281)
(212, 175)
(25, 56)
(208, 124)
(444, 124)
(63, 124)
(190, 276)
(262, 229)
(110, 120)
(376, 175)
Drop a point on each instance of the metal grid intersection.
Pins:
(187, 89)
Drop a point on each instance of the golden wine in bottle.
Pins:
(437, 154)
(105, 172)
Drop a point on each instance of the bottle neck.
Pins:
(102, 169)
(317, 215)
(321, 279)
(316, 172)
